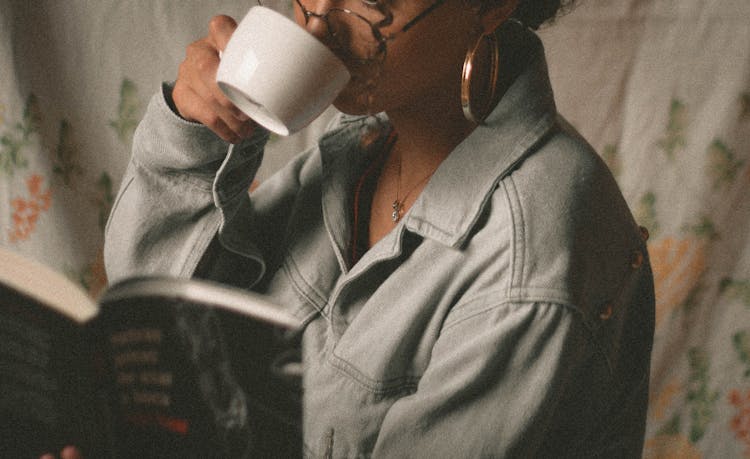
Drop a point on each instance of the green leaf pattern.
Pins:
(741, 341)
(724, 164)
(736, 289)
(701, 399)
(708, 398)
(13, 141)
(704, 228)
(105, 197)
(21, 141)
(128, 112)
(645, 213)
(66, 164)
(674, 136)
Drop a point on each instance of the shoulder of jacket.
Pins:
(573, 230)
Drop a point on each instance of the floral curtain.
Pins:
(661, 88)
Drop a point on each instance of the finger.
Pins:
(203, 57)
(220, 30)
(70, 452)
(202, 106)
(210, 90)
(201, 111)
(198, 71)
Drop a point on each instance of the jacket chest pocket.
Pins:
(388, 344)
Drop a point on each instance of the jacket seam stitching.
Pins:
(526, 302)
(378, 387)
(591, 336)
(126, 185)
(307, 293)
(522, 239)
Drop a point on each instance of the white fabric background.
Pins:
(660, 87)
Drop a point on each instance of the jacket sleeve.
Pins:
(181, 185)
(515, 380)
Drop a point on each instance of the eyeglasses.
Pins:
(357, 35)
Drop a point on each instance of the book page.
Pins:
(45, 285)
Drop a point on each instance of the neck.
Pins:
(427, 133)
(426, 136)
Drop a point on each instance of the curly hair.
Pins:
(533, 13)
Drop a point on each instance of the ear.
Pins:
(494, 16)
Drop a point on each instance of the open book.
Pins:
(156, 367)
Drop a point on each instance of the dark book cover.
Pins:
(48, 397)
(156, 368)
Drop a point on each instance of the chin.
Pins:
(360, 95)
(350, 109)
(354, 101)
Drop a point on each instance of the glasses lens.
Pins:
(352, 33)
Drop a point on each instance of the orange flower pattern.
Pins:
(685, 412)
(740, 423)
(678, 264)
(670, 447)
(93, 277)
(26, 210)
(660, 402)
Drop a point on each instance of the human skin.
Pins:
(418, 87)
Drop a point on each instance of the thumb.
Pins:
(220, 30)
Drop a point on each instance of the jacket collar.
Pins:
(453, 199)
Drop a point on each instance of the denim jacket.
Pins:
(510, 313)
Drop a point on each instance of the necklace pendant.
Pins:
(396, 214)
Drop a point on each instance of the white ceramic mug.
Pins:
(277, 73)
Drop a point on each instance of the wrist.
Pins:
(167, 90)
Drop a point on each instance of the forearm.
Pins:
(181, 184)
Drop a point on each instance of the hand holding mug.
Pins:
(278, 73)
(196, 95)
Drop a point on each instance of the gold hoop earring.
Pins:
(469, 98)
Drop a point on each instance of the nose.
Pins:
(315, 24)
(317, 6)
(318, 27)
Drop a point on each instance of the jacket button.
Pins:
(607, 312)
(644, 233)
(636, 259)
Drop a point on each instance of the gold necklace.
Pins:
(398, 203)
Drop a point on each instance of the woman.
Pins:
(470, 277)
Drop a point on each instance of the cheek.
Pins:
(405, 78)
(432, 66)
(421, 64)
